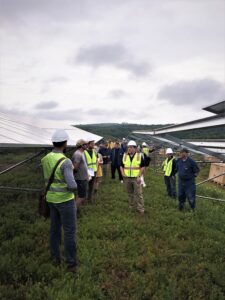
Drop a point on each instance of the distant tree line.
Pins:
(118, 131)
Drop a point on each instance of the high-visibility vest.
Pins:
(145, 151)
(168, 166)
(91, 161)
(132, 168)
(58, 192)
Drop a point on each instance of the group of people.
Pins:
(82, 175)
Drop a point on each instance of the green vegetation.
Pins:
(114, 130)
(165, 255)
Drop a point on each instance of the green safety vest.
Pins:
(58, 192)
(167, 166)
(91, 161)
(145, 151)
(132, 168)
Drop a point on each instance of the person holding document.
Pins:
(91, 160)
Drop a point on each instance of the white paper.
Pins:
(91, 172)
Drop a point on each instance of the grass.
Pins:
(165, 255)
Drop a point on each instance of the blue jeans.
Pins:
(170, 182)
(186, 189)
(63, 215)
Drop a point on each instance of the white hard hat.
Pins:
(144, 144)
(169, 151)
(132, 143)
(59, 135)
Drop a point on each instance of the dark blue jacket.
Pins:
(116, 161)
(187, 169)
(105, 152)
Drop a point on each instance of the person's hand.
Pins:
(139, 180)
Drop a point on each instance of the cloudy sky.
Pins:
(93, 61)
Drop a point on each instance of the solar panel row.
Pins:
(20, 131)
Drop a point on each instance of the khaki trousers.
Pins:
(135, 195)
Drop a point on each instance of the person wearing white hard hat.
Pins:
(187, 170)
(169, 169)
(91, 159)
(60, 198)
(132, 168)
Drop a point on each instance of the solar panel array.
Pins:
(19, 131)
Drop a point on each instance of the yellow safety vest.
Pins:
(58, 192)
(91, 161)
(146, 151)
(167, 166)
(132, 168)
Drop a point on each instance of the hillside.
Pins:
(115, 130)
(165, 255)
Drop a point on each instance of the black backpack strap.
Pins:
(51, 178)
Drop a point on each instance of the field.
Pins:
(166, 254)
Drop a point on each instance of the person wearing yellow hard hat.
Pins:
(132, 168)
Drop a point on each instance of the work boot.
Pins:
(72, 269)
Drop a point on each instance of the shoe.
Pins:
(56, 262)
(121, 181)
(72, 269)
(144, 185)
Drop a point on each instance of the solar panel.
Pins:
(20, 131)
(217, 108)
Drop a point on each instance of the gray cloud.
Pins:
(101, 55)
(47, 105)
(117, 94)
(12, 111)
(111, 55)
(137, 68)
(193, 92)
(22, 12)
(69, 114)
(81, 115)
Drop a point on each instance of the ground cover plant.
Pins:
(165, 255)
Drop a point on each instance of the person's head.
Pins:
(116, 145)
(138, 149)
(103, 144)
(81, 144)
(184, 153)
(144, 144)
(132, 147)
(169, 152)
(59, 139)
(91, 144)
